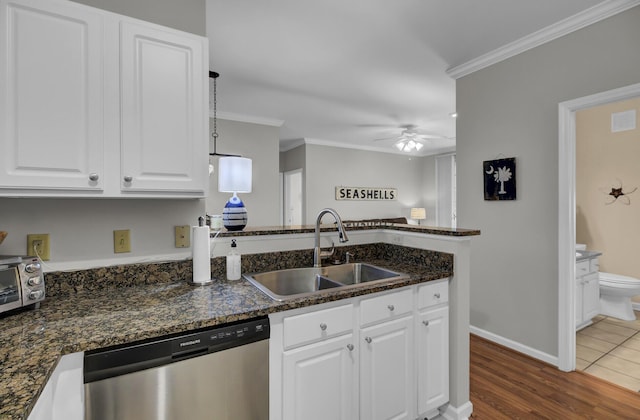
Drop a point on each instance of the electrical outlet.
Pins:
(121, 241)
(38, 245)
(183, 236)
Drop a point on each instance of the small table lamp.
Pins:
(234, 175)
(418, 213)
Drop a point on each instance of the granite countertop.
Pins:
(32, 341)
(361, 225)
(586, 255)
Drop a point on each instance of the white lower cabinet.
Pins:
(387, 388)
(319, 380)
(432, 358)
(379, 356)
(63, 396)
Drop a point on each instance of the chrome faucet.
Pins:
(318, 254)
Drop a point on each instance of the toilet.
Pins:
(616, 292)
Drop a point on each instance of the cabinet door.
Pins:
(590, 296)
(387, 380)
(579, 301)
(51, 105)
(432, 358)
(319, 381)
(164, 94)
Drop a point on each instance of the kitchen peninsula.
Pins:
(109, 306)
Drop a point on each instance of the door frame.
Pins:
(567, 214)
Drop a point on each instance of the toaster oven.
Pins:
(21, 282)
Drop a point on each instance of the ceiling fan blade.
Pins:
(387, 138)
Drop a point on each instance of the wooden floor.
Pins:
(509, 385)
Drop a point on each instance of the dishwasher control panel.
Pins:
(221, 338)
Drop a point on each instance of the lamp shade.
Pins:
(234, 174)
(418, 213)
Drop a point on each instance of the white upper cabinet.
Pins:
(51, 106)
(163, 90)
(100, 105)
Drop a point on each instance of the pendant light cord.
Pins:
(214, 75)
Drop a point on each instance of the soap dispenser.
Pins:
(233, 262)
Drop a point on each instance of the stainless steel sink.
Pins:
(357, 273)
(299, 282)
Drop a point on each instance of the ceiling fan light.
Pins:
(411, 144)
(400, 145)
(419, 146)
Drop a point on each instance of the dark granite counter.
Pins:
(115, 305)
(364, 225)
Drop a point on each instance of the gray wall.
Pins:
(511, 109)
(185, 15)
(328, 167)
(260, 143)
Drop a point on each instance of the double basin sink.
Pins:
(300, 282)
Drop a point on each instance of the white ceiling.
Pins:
(352, 71)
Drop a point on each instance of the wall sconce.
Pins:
(418, 213)
(234, 175)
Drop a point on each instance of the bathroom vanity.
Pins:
(587, 287)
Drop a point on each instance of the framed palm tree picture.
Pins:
(499, 179)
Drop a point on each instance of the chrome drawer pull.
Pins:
(436, 295)
(368, 339)
(350, 347)
(426, 323)
(391, 307)
(323, 326)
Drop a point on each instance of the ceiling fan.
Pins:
(411, 139)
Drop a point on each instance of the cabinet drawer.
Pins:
(387, 306)
(433, 293)
(594, 265)
(582, 268)
(318, 325)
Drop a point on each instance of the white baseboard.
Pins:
(458, 413)
(514, 345)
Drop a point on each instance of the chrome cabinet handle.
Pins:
(368, 339)
(94, 176)
(350, 347)
(426, 323)
(323, 326)
(436, 295)
(391, 307)
(128, 178)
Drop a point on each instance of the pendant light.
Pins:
(234, 174)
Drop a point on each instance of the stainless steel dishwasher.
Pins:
(218, 373)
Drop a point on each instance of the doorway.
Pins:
(292, 215)
(567, 215)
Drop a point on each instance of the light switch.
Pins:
(121, 241)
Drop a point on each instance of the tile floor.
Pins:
(610, 350)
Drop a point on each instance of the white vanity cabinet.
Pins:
(99, 105)
(587, 291)
(378, 356)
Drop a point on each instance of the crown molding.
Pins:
(247, 118)
(580, 20)
(390, 150)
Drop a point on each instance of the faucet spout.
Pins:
(342, 235)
